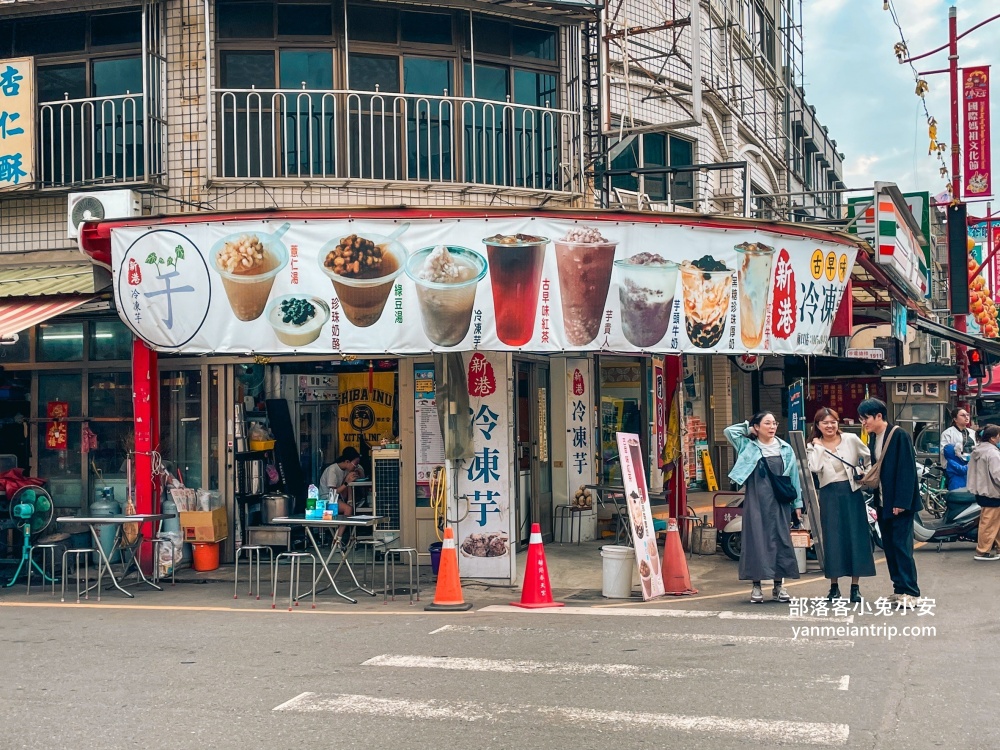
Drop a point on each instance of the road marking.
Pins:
(435, 632)
(682, 613)
(845, 682)
(759, 730)
(630, 636)
(572, 669)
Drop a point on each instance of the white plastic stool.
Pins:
(295, 565)
(412, 565)
(253, 552)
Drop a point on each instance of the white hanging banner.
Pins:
(364, 286)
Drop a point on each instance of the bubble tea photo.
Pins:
(516, 262)
(446, 278)
(754, 261)
(247, 263)
(362, 270)
(646, 286)
(707, 286)
(584, 259)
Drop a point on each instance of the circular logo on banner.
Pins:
(362, 418)
(163, 288)
(842, 268)
(748, 362)
(816, 264)
(831, 265)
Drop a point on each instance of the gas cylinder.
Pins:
(105, 505)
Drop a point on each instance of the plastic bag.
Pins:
(170, 554)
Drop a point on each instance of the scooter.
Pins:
(960, 522)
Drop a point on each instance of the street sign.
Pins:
(872, 354)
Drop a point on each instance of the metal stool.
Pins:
(253, 554)
(373, 545)
(156, 543)
(573, 513)
(412, 562)
(48, 550)
(295, 563)
(78, 553)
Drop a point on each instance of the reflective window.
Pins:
(534, 42)
(244, 20)
(110, 340)
(369, 71)
(117, 76)
(371, 24)
(305, 20)
(62, 468)
(116, 29)
(425, 28)
(50, 35)
(60, 342)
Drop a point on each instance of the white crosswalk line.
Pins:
(573, 669)
(758, 730)
(773, 640)
(695, 614)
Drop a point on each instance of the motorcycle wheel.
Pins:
(732, 545)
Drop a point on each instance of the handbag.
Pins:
(784, 490)
(873, 476)
(856, 471)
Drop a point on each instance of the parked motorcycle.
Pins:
(960, 522)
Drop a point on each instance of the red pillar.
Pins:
(673, 381)
(145, 406)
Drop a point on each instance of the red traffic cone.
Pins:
(448, 593)
(536, 592)
(676, 578)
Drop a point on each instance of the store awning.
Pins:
(17, 315)
(50, 280)
(991, 346)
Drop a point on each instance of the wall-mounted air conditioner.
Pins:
(100, 204)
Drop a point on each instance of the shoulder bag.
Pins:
(873, 476)
(856, 471)
(784, 490)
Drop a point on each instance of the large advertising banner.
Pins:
(978, 173)
(365, 409)
(499, 284)
(640, 516)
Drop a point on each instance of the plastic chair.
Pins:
(295, 566)
(253, 552)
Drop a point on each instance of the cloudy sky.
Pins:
(866, 98)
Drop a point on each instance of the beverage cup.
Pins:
(584, 278)
(363, 298)
(248, 292)
(305, 333)
(646, 292)
(515, 277)
(446, 306)
(754, 276)
(706, 303)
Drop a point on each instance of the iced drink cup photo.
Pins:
(297, 319)
(516, 262)
(753, 272)
(446, 278)
(247, 263)
(362, 270)
(647, 284)
(584, 259)
(707, 285)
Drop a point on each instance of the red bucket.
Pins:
(205, 556)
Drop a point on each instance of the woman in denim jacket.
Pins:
(767, 544)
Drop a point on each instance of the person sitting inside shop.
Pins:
(337, 477)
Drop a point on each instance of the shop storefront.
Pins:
(329, 328)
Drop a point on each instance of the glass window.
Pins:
(111, 29)
(51, 35)
(305, 20)
(18, 351)
(60, 342)
(429, 126)
(537, 89)
(110, 340)
(245, 20)
(120, 76)
(180, 423)
(312, 68)
(425, 28)
(369, 71)
(57, 82)
(492, 37)
(61, 468)
(110, 394)
(491, 83)
(7, 39)
(244, 70)
(531, 42)
(423, 75)
(366, 24)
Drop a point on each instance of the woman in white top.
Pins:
(834, 458)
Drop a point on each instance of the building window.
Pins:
(658, 150)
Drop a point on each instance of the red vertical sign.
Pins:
(976, 98)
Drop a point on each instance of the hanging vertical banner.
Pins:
(659, 408)
(365, 411)
(977, 175)
(17, 123)
(640, 516)
(580, 441)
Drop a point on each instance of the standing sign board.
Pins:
(639, 515)
(796, 408)
(17, 123)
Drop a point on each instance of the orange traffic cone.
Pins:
(448, 594)
(676, 578)
(536, 592)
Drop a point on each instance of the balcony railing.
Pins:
(370, 135)
(99, 140)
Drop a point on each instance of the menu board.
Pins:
(430, 443)
(640, 516)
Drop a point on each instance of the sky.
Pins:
(866, 98)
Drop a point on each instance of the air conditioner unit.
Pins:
(98, 205)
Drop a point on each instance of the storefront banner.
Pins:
(365, 409)
(430, 442)
(580, 437)
(640, 516)
(486, 495)
(498, 284)
(977, 176)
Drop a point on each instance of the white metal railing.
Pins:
(305, 134)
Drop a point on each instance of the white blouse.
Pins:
(829, 469)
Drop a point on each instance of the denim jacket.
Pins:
(748, 454)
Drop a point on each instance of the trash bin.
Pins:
(205, 556)
(619, 568)
(435, 550)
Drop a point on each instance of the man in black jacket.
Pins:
(897, 495)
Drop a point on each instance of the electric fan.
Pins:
(31, 511)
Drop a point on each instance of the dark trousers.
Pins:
(897, 542)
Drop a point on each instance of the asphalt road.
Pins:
(711, 673)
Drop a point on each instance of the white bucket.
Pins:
(800, 558)
(619, 568)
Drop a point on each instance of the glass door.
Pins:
(532, 450)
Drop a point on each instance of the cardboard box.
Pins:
(204, 526)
